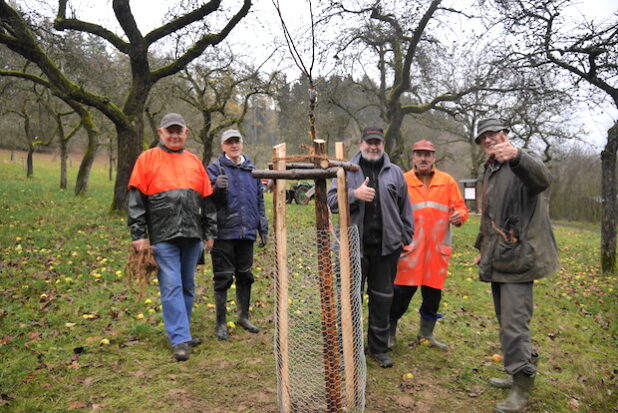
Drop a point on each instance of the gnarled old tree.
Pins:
(587, 52)
(127, 116)
(394, 37)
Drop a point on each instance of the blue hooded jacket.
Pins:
(240, 206)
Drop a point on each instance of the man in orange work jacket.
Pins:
(436, 203)
(168, 208)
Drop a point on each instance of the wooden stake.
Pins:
(327, 298)
(281, 246)
(347, 332)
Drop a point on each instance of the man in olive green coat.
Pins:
(517, 246)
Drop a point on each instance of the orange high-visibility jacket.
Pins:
(425, 260)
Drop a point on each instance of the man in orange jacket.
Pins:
(436, 203)
(168, 208)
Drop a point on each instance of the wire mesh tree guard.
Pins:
(318, 340)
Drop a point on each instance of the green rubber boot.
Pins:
(426, 332)
(507, 382)
(519, 397)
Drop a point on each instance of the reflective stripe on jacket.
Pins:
(167, 191)
(425, 260)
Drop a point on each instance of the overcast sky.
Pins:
(262, 26)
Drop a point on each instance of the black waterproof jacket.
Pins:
(170, 213)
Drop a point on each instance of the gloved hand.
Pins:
(263, 240)
(221, 181)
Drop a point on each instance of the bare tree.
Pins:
(86, 121)
(221, 90)
(306, 66)
(587, 52)
(397, 38)
(127, 116)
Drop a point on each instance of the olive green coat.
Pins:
(516, 240)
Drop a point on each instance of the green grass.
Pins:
(63, 292)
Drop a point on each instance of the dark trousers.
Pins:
(232, 258)
(379, 273)
(514, 307)
(403, 295)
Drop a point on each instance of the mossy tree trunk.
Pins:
(17, 35)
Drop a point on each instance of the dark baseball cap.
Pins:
(372, 132)
(172, 119)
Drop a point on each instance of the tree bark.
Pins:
(130, 145)
(83, 175)
(110, 169)
(206, 137)
(63, 162)
(29, 162)
(392, 136)
(610, 202)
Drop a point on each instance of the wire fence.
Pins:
(318, 334)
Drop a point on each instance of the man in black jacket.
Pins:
(380, 208)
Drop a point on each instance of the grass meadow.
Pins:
(77, 335)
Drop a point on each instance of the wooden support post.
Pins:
(327, 297)
(345, 273)
(281, 239)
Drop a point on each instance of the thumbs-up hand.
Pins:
(365, 192)
(221, 182)
(503, 150)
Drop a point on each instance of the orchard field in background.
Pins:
(77, 335)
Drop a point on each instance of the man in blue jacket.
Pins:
(380, 208)
(241, 218)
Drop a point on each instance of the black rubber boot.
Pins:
(243, 297)
(507, 382)
(383, 359)
(221, 303)
(426, 332)
(519, 397)
(392, 334)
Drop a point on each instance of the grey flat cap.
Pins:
(172, 119)
(489, 125)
